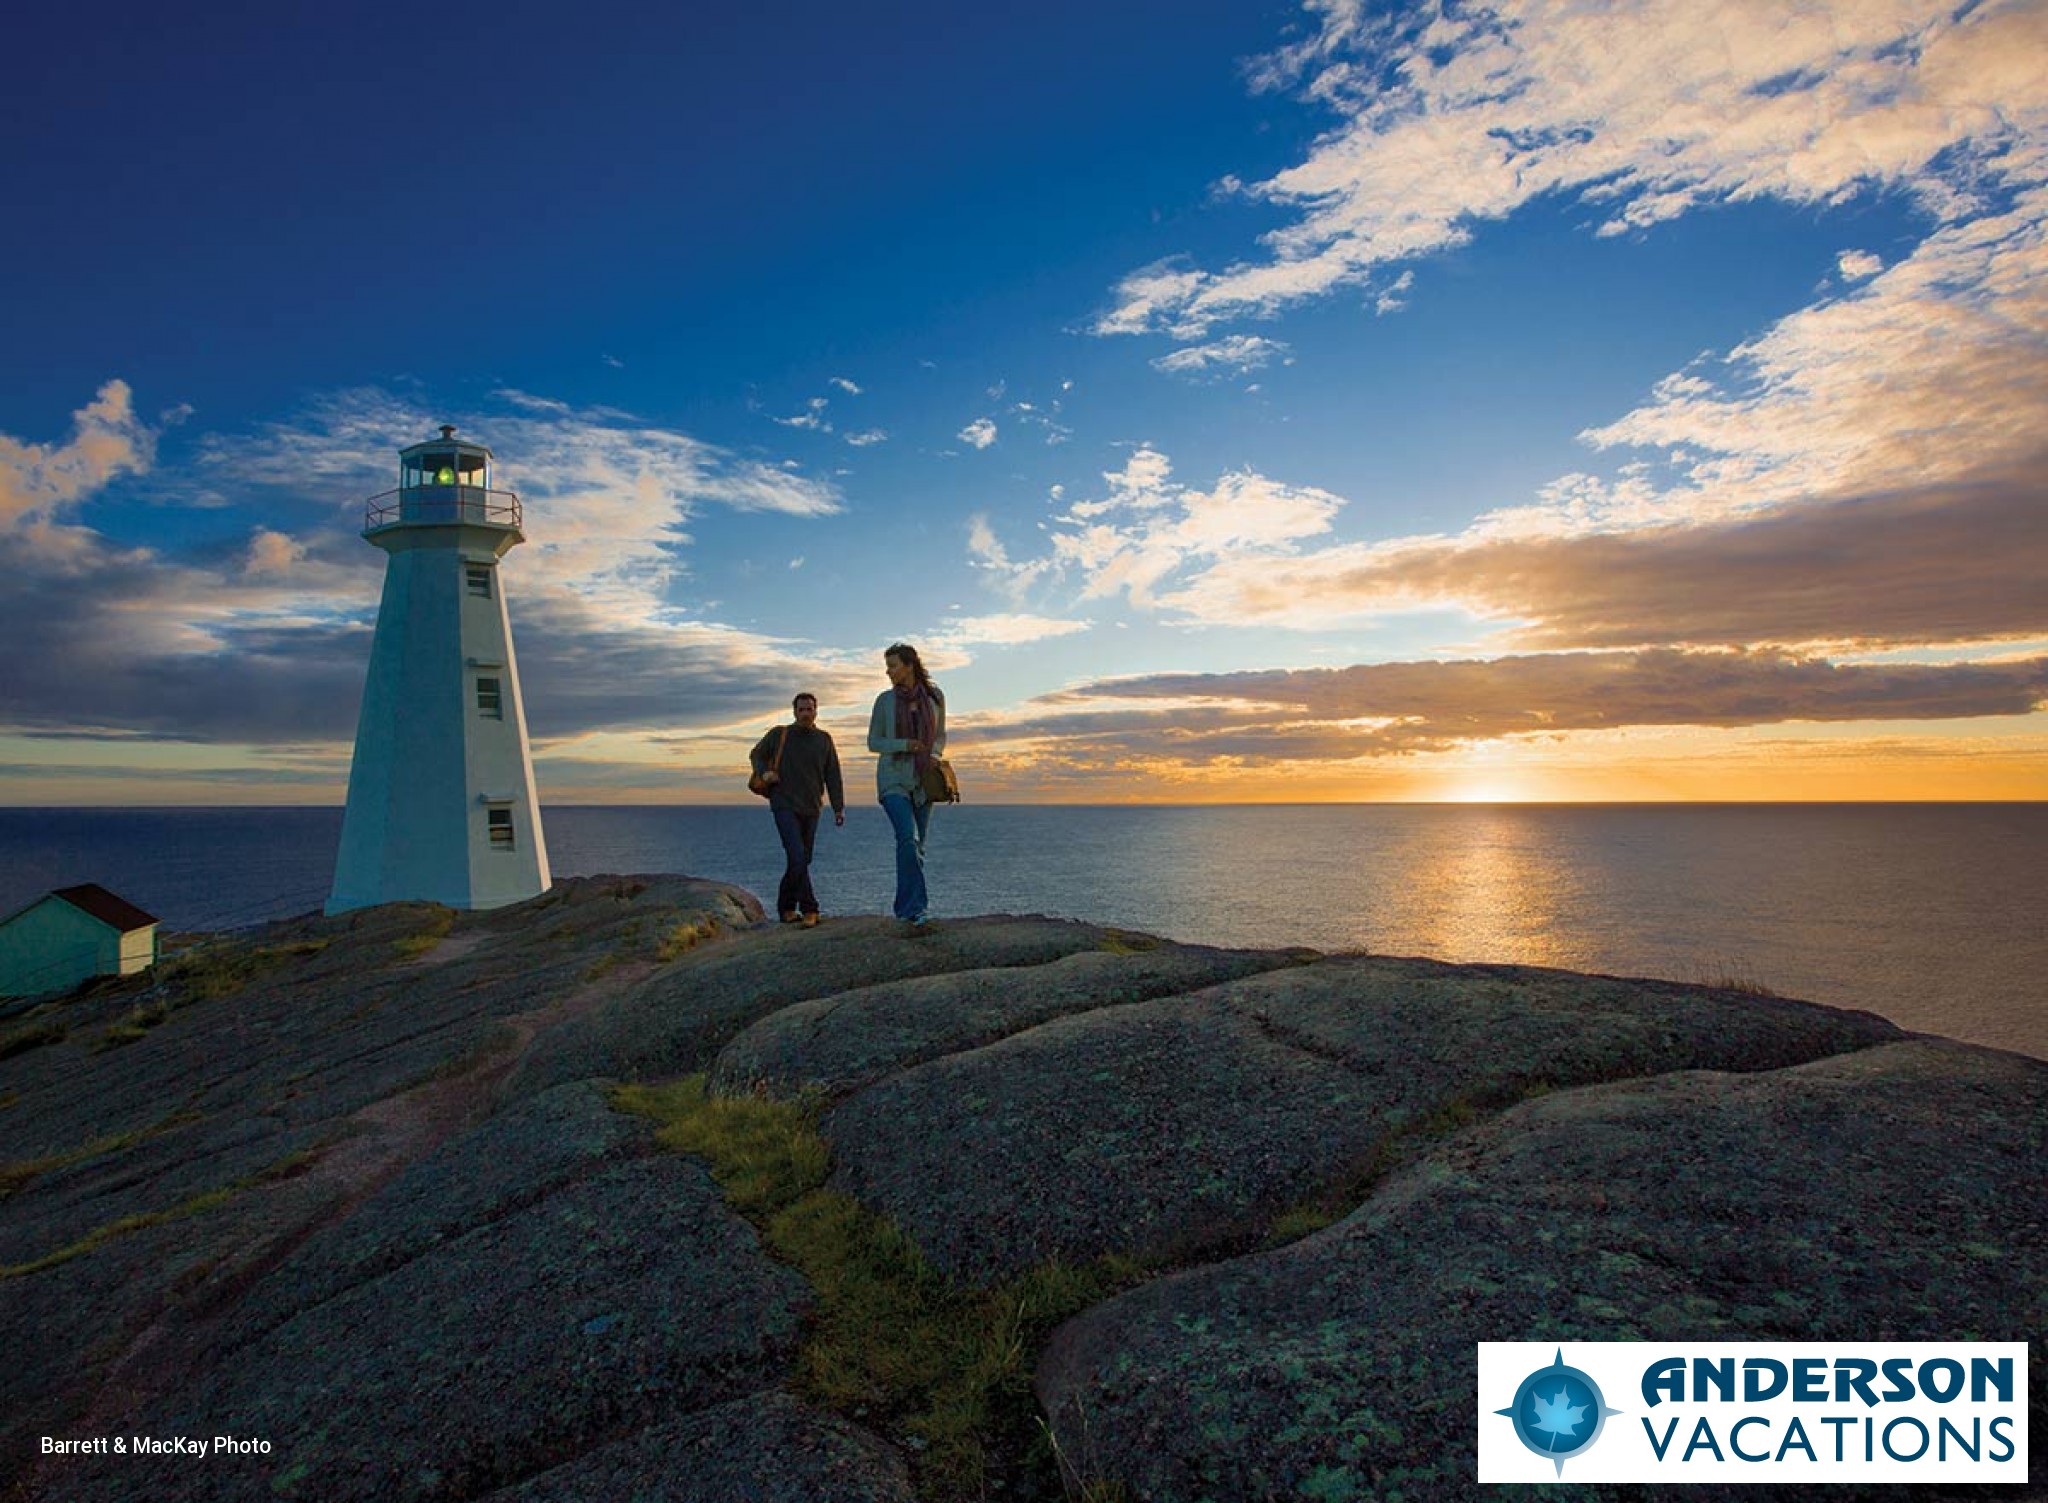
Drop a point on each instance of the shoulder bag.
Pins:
(938, 782)
(759, 783)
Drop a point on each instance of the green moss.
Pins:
(1301, 1221)
(431, 934)
(15, 1174)
(31, 1036)
(196, 1205)
(100, 1235)
(1128, 942)
(944, 1365)
(141, 1018)
(221, 968)
(682, 938)
(1335, 1201)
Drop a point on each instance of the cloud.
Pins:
(1148, 529)
(986, 552)
(1865, 471)
(584, 672)
(264, 642)
(1965, 562)
(1448, 117)
(980, 433)
(39, 483)
(1030, 414)
(811, 418)
(1006, 630)
(1395, 296)
(271, 554)
(983, 543)
(1391, 709)
(1597, 565)
(845, 385)
(609, 497)
(867, 438)
(1928, 371)
(1152, 298)
(1235, 354)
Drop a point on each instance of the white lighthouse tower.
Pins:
(441, 804)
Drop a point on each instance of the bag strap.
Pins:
(781, 741)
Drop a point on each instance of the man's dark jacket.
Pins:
(809, 768)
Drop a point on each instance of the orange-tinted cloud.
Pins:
(1385, 709)
(1960, 562)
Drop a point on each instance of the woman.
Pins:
(907, 729)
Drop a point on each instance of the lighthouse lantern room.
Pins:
(441, 802)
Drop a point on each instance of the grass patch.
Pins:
(945, 1367)
(208, 972)
(1333, 1203)
(494, 1043)
(141, 1018)
(417, 944)
(203, 973)
(1730, 976)
(16, 1173)
(683, 938)
(1128, 942)
(196, 1205)
(100, 1235)
(31, 1036)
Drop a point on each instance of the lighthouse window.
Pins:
(480, 580)
(499, 822)
(488, 699)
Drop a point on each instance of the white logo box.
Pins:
(1956, 1405)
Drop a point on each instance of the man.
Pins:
(801, 777)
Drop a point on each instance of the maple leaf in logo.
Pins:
(1558, 1416)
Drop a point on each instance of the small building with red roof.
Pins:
(67, 936)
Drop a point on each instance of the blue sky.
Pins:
(1333, 402)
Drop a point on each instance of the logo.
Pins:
(1732, 1412)
(1558, 1412)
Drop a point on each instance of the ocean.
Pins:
(1930, 914)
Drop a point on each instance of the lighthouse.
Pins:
(441, 803)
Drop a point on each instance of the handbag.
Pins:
(938, 782)
(759, 783)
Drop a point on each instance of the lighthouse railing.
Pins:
(442, 504)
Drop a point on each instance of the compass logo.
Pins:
(1558, 1411)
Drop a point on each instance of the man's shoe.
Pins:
(791, 917)
(810, 921)
(918, 928)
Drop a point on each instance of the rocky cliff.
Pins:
(621, 1194)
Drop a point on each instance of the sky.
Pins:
(1540, 400)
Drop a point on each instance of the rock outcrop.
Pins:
(354, 1189)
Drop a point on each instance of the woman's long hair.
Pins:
(905, 653)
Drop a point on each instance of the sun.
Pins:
(1494, 790)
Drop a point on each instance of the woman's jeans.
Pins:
(909, 817)
(798, 834)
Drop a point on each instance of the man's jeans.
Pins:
(909, 817)
(799, 833)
